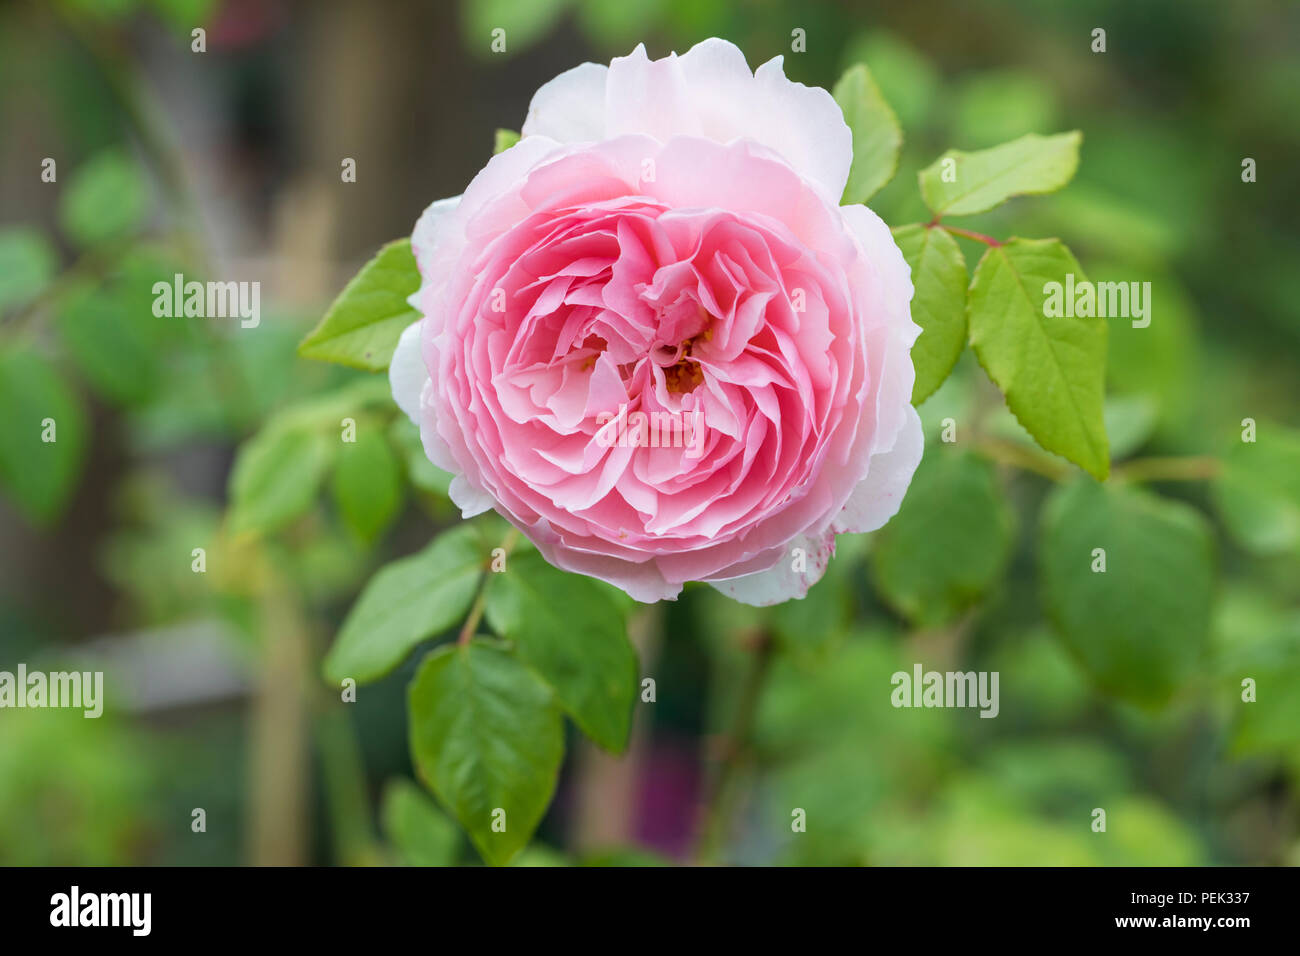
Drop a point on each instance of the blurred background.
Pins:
(226, 164)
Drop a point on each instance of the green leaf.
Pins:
(811, 629)
(877, 138)
(422, 473)
(948, 544)
(105, 198)
(1256, 634)
(108, 337)
(520, 25)
(182, 16)
(619, 25)
(276, 476)
(938, 305)
(909, 82)
(1139, 627)
(567, 628)
(367, 483)
(1051, 369)
(27, 263)
(978, 181)
(102, 9)
(39, 476)
(1268, 724)
(624, 856)
(505, 138)
(406, 602)
(1155, 364)
(1258, 492)
(419, 831)
(363, 325)
(1130, 421)
(487, 738)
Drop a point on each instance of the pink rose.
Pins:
(666, 239)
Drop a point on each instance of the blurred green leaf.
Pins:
(522, 24)
(999, 105)
(565, 627)
(27, 264)
(1097, 220)
(1051, 369)
(811, 628)
(1258, 492)
(39, 476)
(363, 325)
(103, 9)
(423, 474)
(1030, 165)
(1141, 832)
(619, 25)
(419, 831)
(406, 602)
(184, 15)
(949, 542)
(834, 745)
(76, 792)
(1130, 421)
(625, 856)
(1155, 365)
(538, 855)
(877, 139)
(106, 198)
(505, 138)
(908, 81)
(1059, 691)
(367, 483)
(1267, 725)
(1257, 637)
(1140, 626)
(276, 476)
(487, 738)
(110, 342)
(938, 305)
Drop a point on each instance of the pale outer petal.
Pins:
(412, 385)
(886, 258)
(407, 372)
(424, 237)
(708, 91)
(805, 125)
(571, 107)
(897, 444)
(878, 496)
(791, 576)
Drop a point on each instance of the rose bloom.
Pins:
(667, 239)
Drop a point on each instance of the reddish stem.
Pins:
(977, 236)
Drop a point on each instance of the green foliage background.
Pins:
(1119, 690)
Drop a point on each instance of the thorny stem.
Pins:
(718, 801)
(480, 601)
